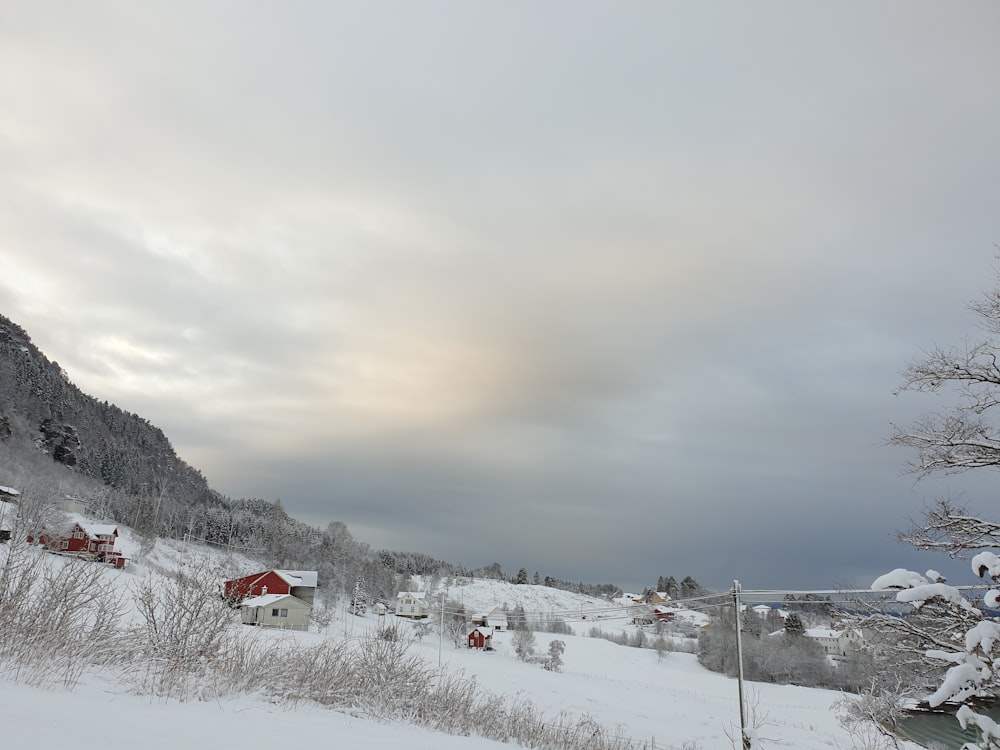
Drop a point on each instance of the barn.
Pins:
(481, 637)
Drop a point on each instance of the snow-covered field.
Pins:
(673, 700)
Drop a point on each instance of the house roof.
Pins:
(485, 631)
(421, 595)
(9, 491)
(266, 600)
(299, 577)
(100, 529)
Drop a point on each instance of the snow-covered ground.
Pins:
(671, 700)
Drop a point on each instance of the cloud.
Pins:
(510, 283)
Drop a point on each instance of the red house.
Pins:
(91, 540)
(481, 638)
(298, 583)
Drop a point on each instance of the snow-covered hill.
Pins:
(632, 692)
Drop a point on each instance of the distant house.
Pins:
(73, 504)
(664, 614)
(481, 637)
(411, 604)
(9, 494)
(495, 620)
(276, 611)
(835, 643)
(95, 541)
(658, 597)
(298, 583)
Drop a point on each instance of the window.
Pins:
(274, 613)
(284, 613)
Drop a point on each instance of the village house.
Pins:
(481, 637)
(95, 541)
(7, 495)
(495, 620)
(298, 583)
(276, 611)
(664, 614)
(411, 604)
(835, 643)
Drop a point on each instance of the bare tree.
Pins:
(945, 626)
(962, 437)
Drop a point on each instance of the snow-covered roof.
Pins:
(821, 633)
(100, 529)
(421, 595)
(8, 491)
(299, 577)
(265, 600)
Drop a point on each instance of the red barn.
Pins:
(481, 638)
(298, 583)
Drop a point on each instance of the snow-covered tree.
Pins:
(359, 598)
(951, 630)
(553, 662)
(524, 644)
(794, 625)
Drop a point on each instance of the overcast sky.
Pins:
(605, 290)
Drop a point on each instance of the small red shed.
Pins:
(481, 638)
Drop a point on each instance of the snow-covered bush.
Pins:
(58, 615)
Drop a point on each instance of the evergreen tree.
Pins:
(794, 625)
(689, 588)
(671, 587)
(522, 576)
(750, 623)
(536, 580)
(359, 598)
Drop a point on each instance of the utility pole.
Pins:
(739, 662)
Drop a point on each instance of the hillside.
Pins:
(615, 691)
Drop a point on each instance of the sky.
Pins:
(609, 291)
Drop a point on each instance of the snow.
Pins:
(632, 691)
(900, 578)
(918, 595)
(986, 562)
(265, 600)
(9, 491)
(299, 577)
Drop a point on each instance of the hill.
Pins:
(613, 694)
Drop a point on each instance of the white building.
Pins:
(411, 604)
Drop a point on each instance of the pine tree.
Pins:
(359, 598)
(794, 625)
(522, 576)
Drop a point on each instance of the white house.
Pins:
(276, 611)
(411, 604)
(835, 643)
(495, 619)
